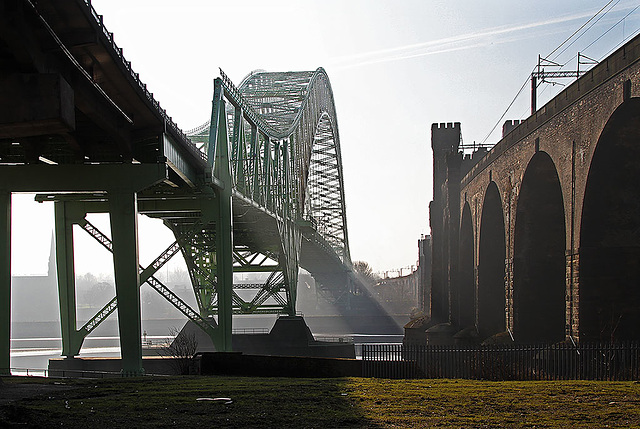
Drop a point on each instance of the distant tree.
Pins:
(179, 276)
(365, 272)
(86, 280)
(94, 291)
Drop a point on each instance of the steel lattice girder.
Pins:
(311, 126)
(283, 166)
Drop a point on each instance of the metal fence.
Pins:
(512, 362)
(61, 373)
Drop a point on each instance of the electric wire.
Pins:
(583, 33)
(581, 27)
(612, 27)
(593, 42)
(598, 38)
(557, 48)
(507, 110)
(622, 20)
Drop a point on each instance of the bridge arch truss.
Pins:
(273, 144)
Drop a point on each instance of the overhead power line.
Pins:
(559, 47)
(611, 28)
(526, 81)
(578, 30)
(584, 32)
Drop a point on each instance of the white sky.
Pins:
(396, 67)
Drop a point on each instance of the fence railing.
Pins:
(63, 373)
(512, 362)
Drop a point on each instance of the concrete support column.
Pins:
(5, 282)
(124, 231)
(71, 342)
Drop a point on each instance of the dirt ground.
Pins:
(12, 389)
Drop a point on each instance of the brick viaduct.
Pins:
(539, 238)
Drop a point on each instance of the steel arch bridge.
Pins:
(270, 199)
(275, 146)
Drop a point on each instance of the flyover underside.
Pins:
(257, 229)
(258, 248)
(320, 260)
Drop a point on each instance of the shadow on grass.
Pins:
(318, 403)
(173, 402)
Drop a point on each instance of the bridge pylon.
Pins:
(248, 169)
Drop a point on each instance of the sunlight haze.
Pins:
(395, 68)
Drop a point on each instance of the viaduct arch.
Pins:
(546, 243)
(491, 268)
(610, 232)
(538, 260)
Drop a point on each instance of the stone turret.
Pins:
(445, 142)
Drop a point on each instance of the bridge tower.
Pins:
(453, 291)
(445, 142)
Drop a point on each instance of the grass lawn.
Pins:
(316, 403)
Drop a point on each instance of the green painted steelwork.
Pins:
(72, 212)
(146, 275)
(5, 281)
(124, 229)
(71, 339)
(284, 162)
(243, 191)
(246, 213)
(224, 223)
(81, 177)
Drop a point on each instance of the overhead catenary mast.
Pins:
(540, 75)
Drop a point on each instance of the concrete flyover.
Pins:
(539, 238)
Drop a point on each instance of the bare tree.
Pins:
(181, 349)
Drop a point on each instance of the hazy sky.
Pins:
(396, 67)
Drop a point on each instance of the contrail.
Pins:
(435, 50)
(450, 44)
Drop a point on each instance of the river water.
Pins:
(34, 343)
